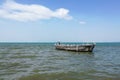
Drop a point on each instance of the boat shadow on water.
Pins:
(75, 52)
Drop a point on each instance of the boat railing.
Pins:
(87, 44)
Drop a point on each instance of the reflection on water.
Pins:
(40, 61)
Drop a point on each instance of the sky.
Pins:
(59, 20)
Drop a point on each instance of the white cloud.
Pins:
(21, 12)
(82, 22)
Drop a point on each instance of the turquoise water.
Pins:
(40, 61)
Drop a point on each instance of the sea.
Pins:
(41, 61)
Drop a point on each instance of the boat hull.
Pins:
(76, 48)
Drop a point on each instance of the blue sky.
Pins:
(59, 20)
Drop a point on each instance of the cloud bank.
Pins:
(23, 12)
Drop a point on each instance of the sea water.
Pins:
(41, 61)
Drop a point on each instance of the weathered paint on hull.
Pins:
(77, 48)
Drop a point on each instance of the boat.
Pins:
(77, 48)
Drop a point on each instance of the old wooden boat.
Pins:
(78, 48)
